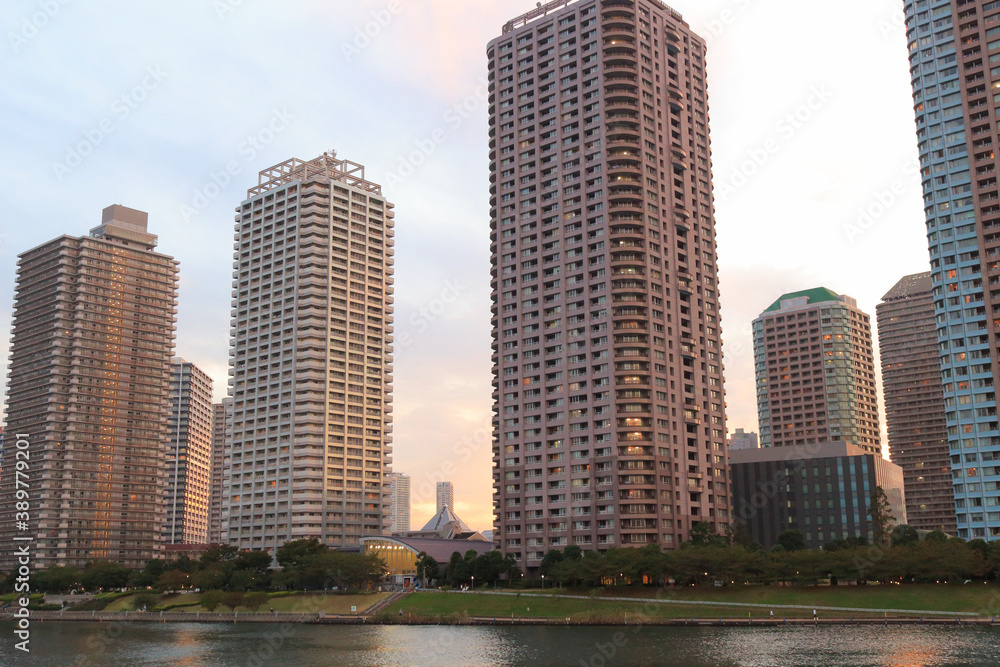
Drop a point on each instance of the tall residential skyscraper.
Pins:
(445, 496)
(311, 369)
(953, 50)
(609, 423)
(914, 402)
(815, 372)
(218, 504)
(189, 454)
(399, 502)
(93, 334)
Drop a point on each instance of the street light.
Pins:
(473, 582)
(543, 582)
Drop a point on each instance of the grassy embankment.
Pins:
(301, 603)
(590, 607)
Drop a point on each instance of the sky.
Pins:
(173, 107)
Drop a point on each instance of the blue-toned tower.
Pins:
(954, 48)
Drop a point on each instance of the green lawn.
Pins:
(443, 606)
(969, 598)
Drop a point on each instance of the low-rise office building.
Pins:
(822, 490)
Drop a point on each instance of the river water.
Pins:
(194, 645)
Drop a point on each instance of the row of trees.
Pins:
(305, 565)
(903, 557)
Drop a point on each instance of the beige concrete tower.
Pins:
(608, 399)
(311, 369)
(816, 372)
(218, 509)
(93, 333)
(914, 402)
(189, 454)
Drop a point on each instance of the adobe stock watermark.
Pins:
(428, 145)
(893, 23)
(714, 28)
(248, 149)
(223, 8)
(121, 108)
(365, 35)
(430, 312)
(882, 201)
(461, 452)
(786, 128)
(32, 25)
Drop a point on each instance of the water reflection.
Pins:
(170, 645)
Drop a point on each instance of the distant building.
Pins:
(399, 502)
(815, 372)
(400, 554)
(93, 335)
(741, 439)
(189, 456)
(822, 490)
(445, 496)
(915, 403)
(218, 506)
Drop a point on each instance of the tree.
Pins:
(257, 562)
(220, 553)
(173, 580)
(294, 554)
(904, 536)
(703, 534)
(427, 568)
(233, 599)
(936, 536)
(880, 516)
(551, 558)
(211, 600)
(210, 578)
(56, 579)
(792, 540)
(104, 575)
(254, 601)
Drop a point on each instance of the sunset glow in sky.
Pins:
(172, 108)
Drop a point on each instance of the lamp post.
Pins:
(543, 582)
(473, 582)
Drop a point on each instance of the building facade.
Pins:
(218, 505)
(815, 372)
(914, 402)
(399, 502)
(311, 364)
(822, 490)
(953, 48)
(741, 439)
(189, 458)
(93, 335)
(445, 496)
(609, 423)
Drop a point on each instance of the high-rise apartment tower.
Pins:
(399, 502)
(445, 492)
(609, 423)
(914, 402)
(93, 335)
(954, 49)
(815, 372)
(311, 370)
(189, 456)
(218, 505)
